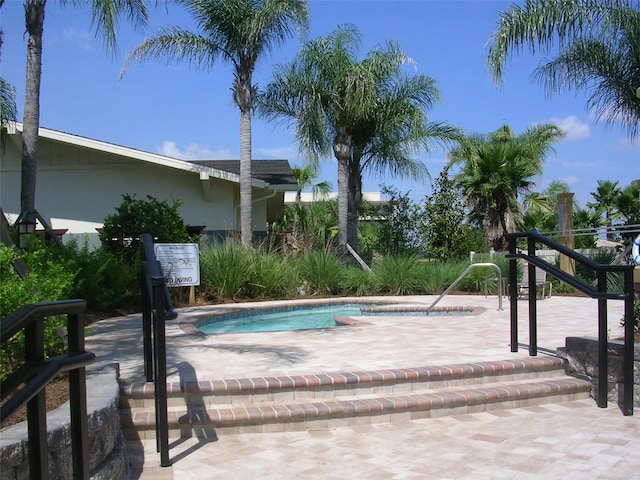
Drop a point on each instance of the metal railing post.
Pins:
(533, 307)
(160, 361)
(629, 344)
(513, 294)
(36, 407)
(603, 342)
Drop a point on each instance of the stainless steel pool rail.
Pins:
(462, 275)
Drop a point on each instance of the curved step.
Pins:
(342, 398)
(298, 415)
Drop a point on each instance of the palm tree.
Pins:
(386, 140)
(238, 32)
(605, 201)
(105, 15)
(498, 167)
(364, 113)
(304, 178)
(598, 41)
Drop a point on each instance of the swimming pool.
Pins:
(309, 317)
(283, 318)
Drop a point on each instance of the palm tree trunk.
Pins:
(342, 152)
(246, 216)
(355, 199)
(34, 19)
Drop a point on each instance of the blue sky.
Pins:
(186, 113)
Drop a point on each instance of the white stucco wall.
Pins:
(83, 185)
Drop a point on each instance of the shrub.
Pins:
(437, 276)
(225, 270)
(122, 230)
(271, 277)
(356, 281)
(397, 275)
(49, 279)
(320, 271)
(103, 280)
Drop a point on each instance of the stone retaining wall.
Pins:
(582, 359)
(107, 450)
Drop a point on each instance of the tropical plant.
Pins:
(628, 205)
(597, 43)
(225, 271)
(238, 32)
(105, 17)
(304, 178)
(397, 275)
(365, 113)
(605, 201)
(320, 273)
(496, 169)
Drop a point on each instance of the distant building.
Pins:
(81, 180)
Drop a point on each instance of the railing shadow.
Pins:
(196, 420)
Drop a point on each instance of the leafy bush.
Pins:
(271, 277)
(437, 276)
(122, 230)
(356, 281)
(225, 270)
(320, 271)
(397, 275)
(49, 279)
(103, 280)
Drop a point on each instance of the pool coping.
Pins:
(189, 325)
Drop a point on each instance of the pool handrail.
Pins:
(462, 275)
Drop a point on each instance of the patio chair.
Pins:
(543, 286)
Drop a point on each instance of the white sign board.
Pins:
(180, 263)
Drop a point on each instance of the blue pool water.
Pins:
(300, 318)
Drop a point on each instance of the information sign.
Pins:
(180, 263)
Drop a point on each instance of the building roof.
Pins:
(275, 173)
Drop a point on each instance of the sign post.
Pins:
(180, 263)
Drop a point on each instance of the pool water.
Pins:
(300, 318)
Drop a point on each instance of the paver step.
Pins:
(336, 384)
(292, 404)
(296, 415)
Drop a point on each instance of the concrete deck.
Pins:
(571, 440)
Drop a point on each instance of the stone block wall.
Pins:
(107, 450)
(581, 354)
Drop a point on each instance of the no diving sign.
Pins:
(180, 263)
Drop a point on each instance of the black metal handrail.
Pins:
(598, 292)
(156, 309)
(37, 372)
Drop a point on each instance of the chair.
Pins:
(541, 284)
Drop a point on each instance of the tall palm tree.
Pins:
(496, 169)
(363, 112)
(387, 140)
(105, 16)
(605, 201)
(598, 43)
(238, 32)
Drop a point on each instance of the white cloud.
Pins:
(571, 180)
(572, 127)
(193, 151)
(277, 152)
(81, 38)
